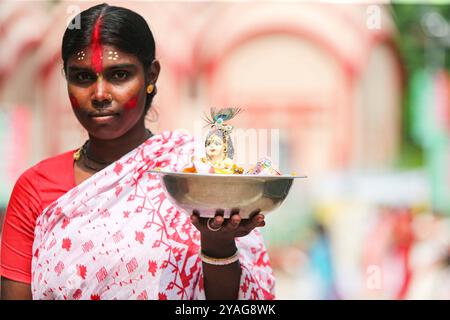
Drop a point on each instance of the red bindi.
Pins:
(131, 104)
(74, 102)
(96, 47)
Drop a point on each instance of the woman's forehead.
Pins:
(109, 55)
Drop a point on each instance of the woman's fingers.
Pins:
(254, 213)
(233, 222)
(218, 219)
(256, 220)
(195, 218)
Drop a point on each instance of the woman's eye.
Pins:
(84, 76)
(120, 75)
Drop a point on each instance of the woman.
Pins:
(92, 223)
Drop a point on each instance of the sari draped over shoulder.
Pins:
(116, 236)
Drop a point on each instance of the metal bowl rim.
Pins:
(255, 176)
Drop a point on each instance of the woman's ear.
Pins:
(153, 71)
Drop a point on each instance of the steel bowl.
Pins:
(209, 192)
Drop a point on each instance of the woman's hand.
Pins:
(230, 228)
(220, 243)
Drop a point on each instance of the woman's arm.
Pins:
(17, 237)
(14, 290)
(222, 282)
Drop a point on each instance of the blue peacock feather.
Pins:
(221, 115)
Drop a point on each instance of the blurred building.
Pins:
(328, 76)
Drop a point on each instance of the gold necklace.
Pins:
(88, 160)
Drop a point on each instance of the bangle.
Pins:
(219, 261)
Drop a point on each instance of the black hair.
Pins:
(121, 27)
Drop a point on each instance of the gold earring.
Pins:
(150, 88)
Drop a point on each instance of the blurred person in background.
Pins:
(322, 263)
(430, 257)
(91, 223)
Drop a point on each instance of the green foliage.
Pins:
(413, 42)
(411, 36)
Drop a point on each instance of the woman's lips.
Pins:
(103, 117)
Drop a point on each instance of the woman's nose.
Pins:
(101, 93)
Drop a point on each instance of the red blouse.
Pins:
(35, 189)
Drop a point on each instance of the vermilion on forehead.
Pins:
(96, 47)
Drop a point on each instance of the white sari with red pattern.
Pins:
(116, 236)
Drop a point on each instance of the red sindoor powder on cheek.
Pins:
(74, 101)
(131, 104)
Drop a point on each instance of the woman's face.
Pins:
(108, 92)
(215, 148)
